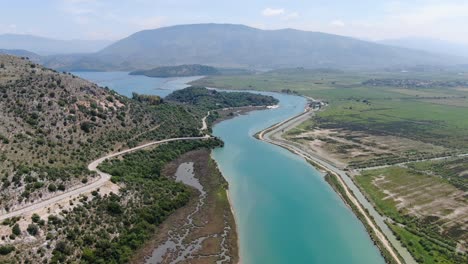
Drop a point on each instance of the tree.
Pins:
(32, 229)
(16, 230)
(5, 250)
(35, 218)
(52, 187)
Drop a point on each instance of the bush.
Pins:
(35, 218)
(86, 126)
(7, 249)
(16, 230)
(32, 229)
(52, 187)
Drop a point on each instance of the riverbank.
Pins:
(203, 231)
(388, 251)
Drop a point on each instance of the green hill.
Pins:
(178, 71)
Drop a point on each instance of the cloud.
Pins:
(337, 23)
(268, 12)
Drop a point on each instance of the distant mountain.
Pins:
(48, 46)
(227, 45)
(178, 71)
(21, 53)
(238, 45)
(429, 45)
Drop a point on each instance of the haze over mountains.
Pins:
(429, 45)
(229, 45)
(47, 46)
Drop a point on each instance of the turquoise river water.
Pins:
(284, 209)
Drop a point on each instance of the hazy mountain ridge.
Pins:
(48, 46)
(239, 46)
(429, 45)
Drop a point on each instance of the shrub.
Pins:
(35, 218)
(7, 249)
(52, 187)
(16, 230)
(32, 229)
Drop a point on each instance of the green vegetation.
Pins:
(212, 99)
(109, 228)
(454, 170)
(178, 71)
(432, 110)
(147, 99)
(5, 250)
(429, 235)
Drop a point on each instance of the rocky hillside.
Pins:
(52, 124)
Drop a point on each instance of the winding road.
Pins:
(103, 178)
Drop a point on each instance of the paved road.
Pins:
(103, 178)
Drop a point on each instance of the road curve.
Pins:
(103, 178)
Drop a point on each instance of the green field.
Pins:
(427, 228)
(434, 115)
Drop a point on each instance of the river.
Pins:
(285, 211)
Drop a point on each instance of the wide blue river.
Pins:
(285, 211)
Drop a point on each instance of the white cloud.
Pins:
(337, 23)
(272, 11)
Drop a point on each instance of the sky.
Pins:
(115, 19)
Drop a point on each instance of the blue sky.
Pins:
(114, 19)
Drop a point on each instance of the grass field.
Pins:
(429, 214)
(434, 115)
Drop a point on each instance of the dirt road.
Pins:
(103, 178)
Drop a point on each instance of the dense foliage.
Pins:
(212, 99)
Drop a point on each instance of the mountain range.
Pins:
(229, 45)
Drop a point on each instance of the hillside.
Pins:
(48, 46)
(22, 53)
(230, 45)
(178, 71)
(52, 124)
